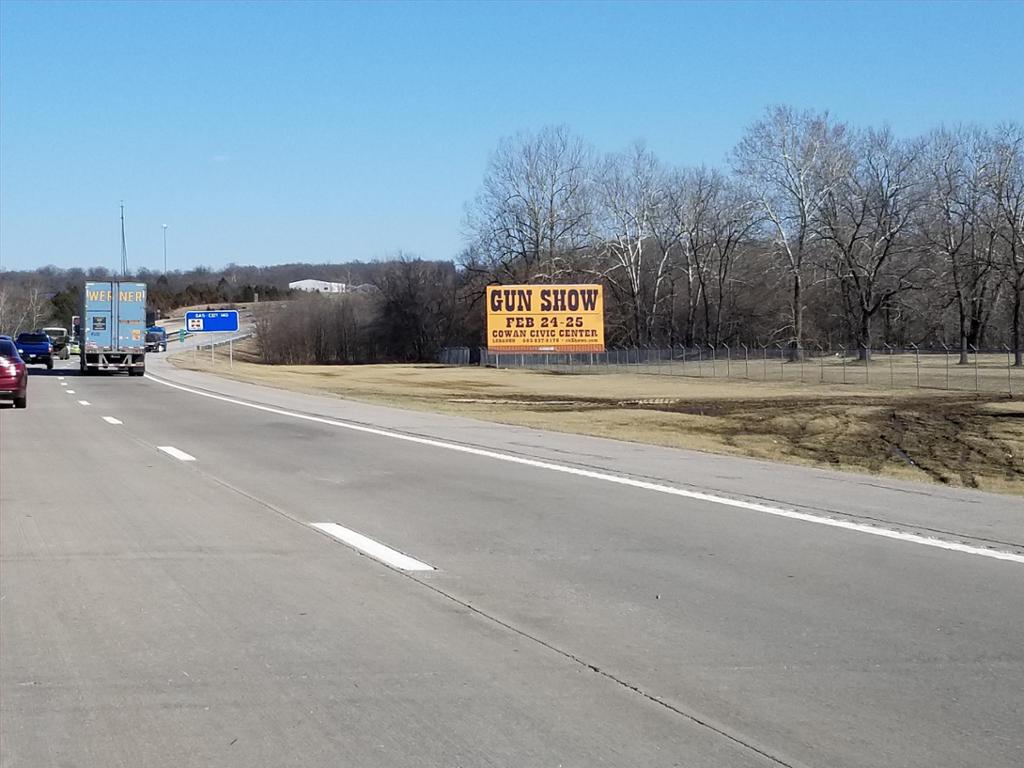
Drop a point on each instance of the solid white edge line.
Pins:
(84, 402)
(180, 455)
(767, 509)
(112, 420)
(373, 548)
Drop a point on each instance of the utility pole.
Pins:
(124, 249)
(165, 249)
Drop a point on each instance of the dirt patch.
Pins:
(972, 440)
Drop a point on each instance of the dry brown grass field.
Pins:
(957, 438)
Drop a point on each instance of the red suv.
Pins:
(13, 374)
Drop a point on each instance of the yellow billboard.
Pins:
(545, 318)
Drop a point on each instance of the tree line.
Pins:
(814, 233)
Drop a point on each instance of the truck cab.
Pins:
(156, 339)
(59, 339)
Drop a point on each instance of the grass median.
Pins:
(954, 438)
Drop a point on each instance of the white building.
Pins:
(318, 286)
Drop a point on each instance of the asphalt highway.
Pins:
(196, 572)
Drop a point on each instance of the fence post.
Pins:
(867, 357)
(728, 360)
(714, 373)
(1009, 377)
(764, 351)
(782, 364)
(800, 351)
(700, 361)
(842, 353)
(746, 361)
(946, 350)
(976, 380)
(888, 348)
(917, 363)
(821, 364)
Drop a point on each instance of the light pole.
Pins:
(165, 249)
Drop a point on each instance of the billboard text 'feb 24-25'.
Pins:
(545, 318)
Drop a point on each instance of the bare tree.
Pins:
(417, 307)
(789, 159)
(735, 218)
(955, 227)
(24, 306)
(689, 197)
(711, 218)
(865, 221)
(1006, 186)
(533, 211)
(630, 198)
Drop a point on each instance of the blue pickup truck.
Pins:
(35, 348)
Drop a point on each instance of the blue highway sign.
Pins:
(223, 321)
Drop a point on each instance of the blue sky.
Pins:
(264, 133)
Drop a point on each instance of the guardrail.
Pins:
(213, 344)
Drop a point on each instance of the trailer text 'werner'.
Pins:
(107, 296)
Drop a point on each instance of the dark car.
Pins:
(13, 374)
(156, 339)
(35, 347)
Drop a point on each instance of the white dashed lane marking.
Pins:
(374, 549)
(170, 450)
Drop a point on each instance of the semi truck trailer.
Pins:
(113, 326)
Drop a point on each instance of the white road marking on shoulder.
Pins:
(60, 378)
(170, 450)
(84, 402)
(112, 420)
(792, 514)
(372, 548)
(69, 391)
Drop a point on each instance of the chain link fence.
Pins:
(986, 370)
